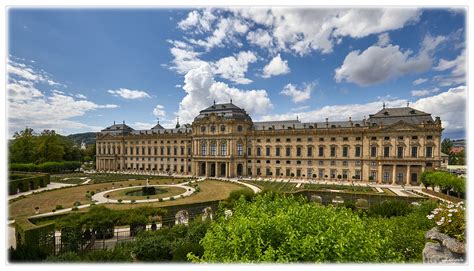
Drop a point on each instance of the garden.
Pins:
(273, 227)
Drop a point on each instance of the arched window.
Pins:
(239, 128)
(222, 128)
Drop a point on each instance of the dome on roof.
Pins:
(227, 110)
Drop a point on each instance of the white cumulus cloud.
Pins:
(298, 95)
(381, 63)
(234, 68)
(276, 66)
(159, 111)
(423, 92)
(129, 93)
(201, 90)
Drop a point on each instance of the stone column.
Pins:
(207, 169)
(408, 175)
(379, 174)
(394, 174)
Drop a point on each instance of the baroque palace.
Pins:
(394, 145)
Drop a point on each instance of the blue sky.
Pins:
(78, 70)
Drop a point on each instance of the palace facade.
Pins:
(394, 145)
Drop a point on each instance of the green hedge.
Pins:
(46, 167)
(26, 182)
(33, 237)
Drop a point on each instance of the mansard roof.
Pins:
(226, 110)
(157, 127)
(388, 116)
(117, 129)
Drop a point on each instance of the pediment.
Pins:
(401, 126)
(107, 136)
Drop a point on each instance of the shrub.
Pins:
(390, 208)
(450, 219)
(59, 207)
(74, 208)
(77, 203)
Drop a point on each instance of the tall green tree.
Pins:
(22, 148)
(49, 147)
(446, 146)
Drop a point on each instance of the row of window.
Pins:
(320, 173)
(222, 128)
(309, 162)
(309, 151)
(322, 139)
(144, 151)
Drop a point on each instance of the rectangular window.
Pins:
(357, 151)
(203, 149)
(240, 150)
(386, 176)
(310, 152)
(223, 149)
(373, 151)
(344, 151)
(386, 151)
(400, 152)
(400, 177)
(168, 150)
(429, 151)
(414, 152)
(321, 151)
(298, 151)
(288, 151)
(321, 173)
(333, 151)
(213, 148)
(267, 151)
(277, 151)
(259, 151)
(249, 151)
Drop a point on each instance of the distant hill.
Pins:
(88, 138)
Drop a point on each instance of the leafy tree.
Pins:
(446, 146)
(49, 147)
(22, 148)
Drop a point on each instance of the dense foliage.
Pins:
(445, 181)
(275, 228)
(46, 167)
(29, 147)
(120, 253)
(170, 244)
(454, 158)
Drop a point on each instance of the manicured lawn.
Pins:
(210, 191)
(47, 201)
(165, 192)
